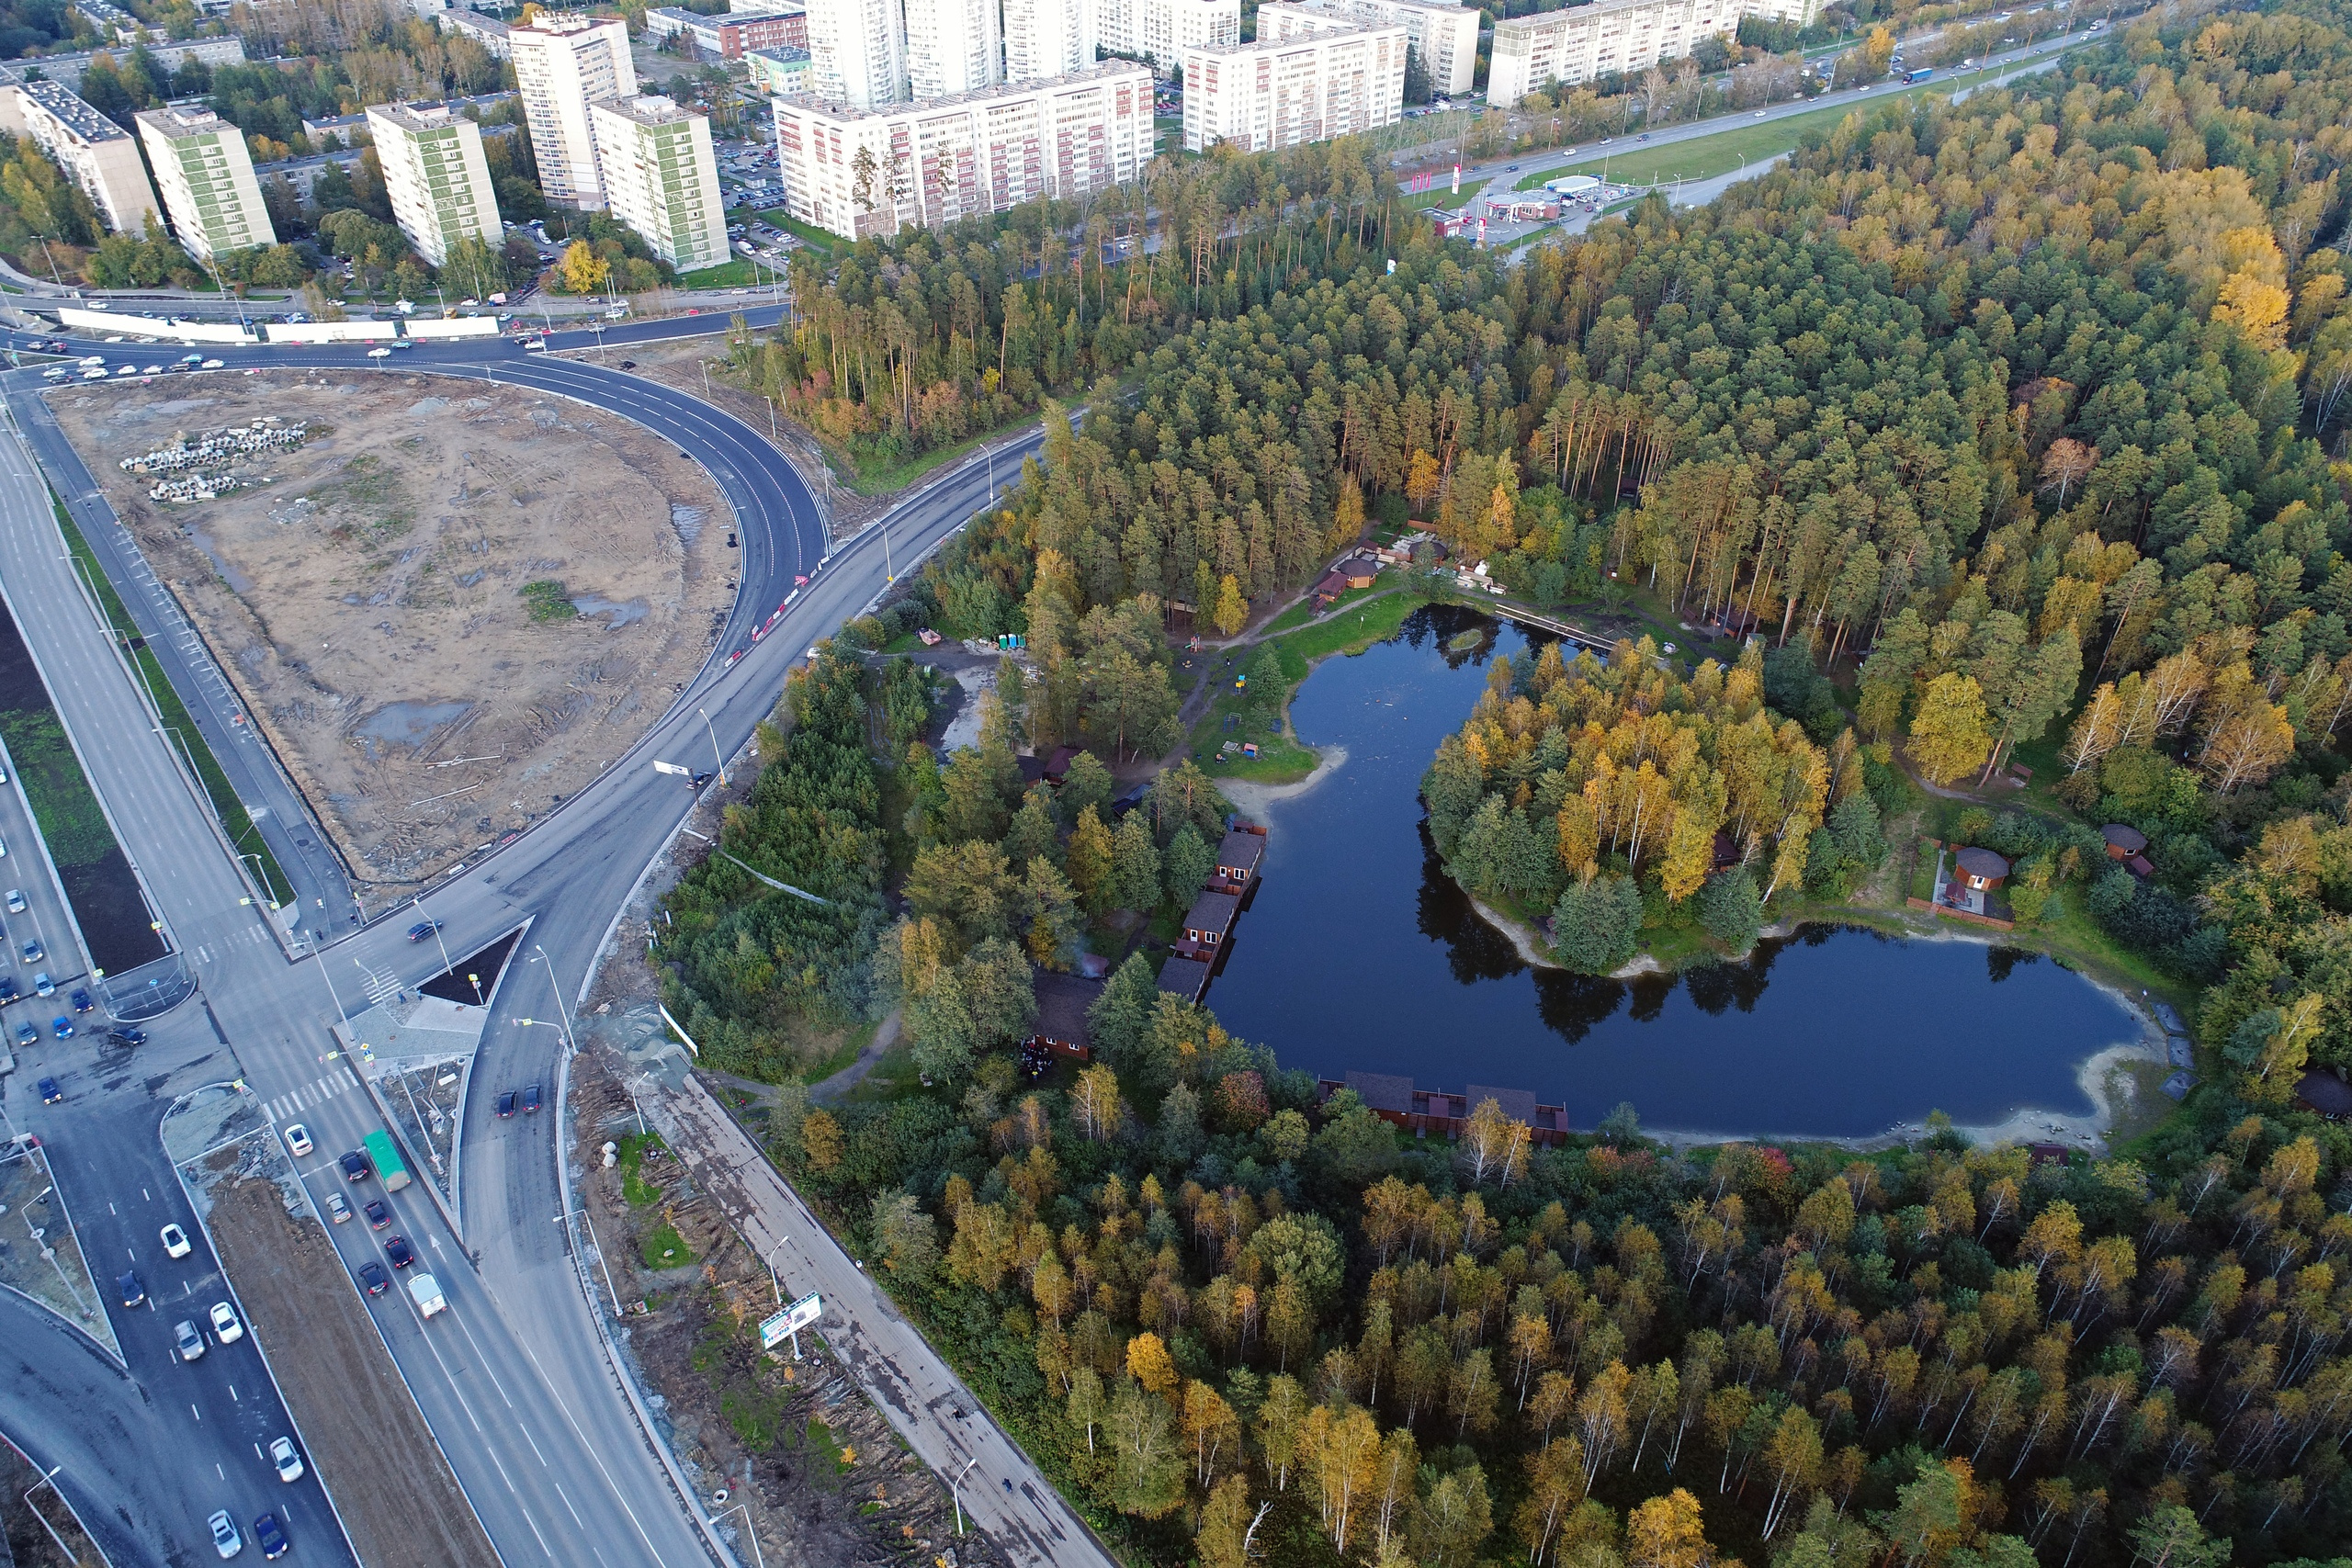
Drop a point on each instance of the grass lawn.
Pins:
(843, 1054)
(634, 1187)
(819, 240)
(883, 479)
(1280, 758)
(665, 1248)
(1698, 157)
(1443, 194)
(736, 272)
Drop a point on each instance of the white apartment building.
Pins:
(859, 171)
(1445, 36)
(1578, 44)
(953, 46)
(96, 154)
(206, 178)
(1161, 30)
(1272, 94)
(563, 63)
(662, 177)
(487, 31)
(1048, 38)
(436, 177)
(857, 51)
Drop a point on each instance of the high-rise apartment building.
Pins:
(1586, 41)
(563, 63)
(1161, 30)
(206, 178)
(859, 172)
(1272, 94)
(436, 177)
(662, 177)
(1048, 38)
(96, 154)
(857, 51)
(1444, 36)
(953, 46)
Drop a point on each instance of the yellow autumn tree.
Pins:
(1950, 734)
(584, 272)
(1421, 479)
(1150, 1364)
(1667, 1532)
(1232, 611)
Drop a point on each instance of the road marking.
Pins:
(194, 1412)
(535, 1450)
(232, 1395)
(567, 1502)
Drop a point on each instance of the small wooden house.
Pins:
(2123, 841)
(1063, 1002)
(1981, 871)
(1359, 570)
(1186, 978)
(2324, 1094)
(1238, 858)
(1210, 921)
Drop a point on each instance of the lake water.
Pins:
(1357, 953)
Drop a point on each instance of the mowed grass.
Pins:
(1441, 194)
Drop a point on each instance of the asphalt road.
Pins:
(514, 1381)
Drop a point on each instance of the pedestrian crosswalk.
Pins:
(382, 985)
(294, 1102)
(215, 948)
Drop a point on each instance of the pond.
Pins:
(1357, 953)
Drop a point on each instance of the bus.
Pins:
(386, 1160)
(1915, 77)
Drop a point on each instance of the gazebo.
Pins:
(2122, 843)
(1982, 870)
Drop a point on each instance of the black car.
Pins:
(373, 1279)
(506, 1104)
(8, 992)
(81, 1000)
(133, 1292)
(531, 1097)
(127, 1037)
(378, 1215)
(397, 1250)
(50, 1093)
(355, 1166)
(628, 364)
(422, 929)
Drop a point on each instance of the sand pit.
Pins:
(447, 607)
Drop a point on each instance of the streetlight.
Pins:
(561, 1008)
(448, 965)
(714, 748)
(956, 1491)
(774, 1280)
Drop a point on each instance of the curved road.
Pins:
(513, 1380)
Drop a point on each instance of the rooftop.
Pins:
(178, 120)
(1315, 41)
(648, 108)
(2130, 841)
(78, 117)
(1187, 977)
(1384, 1091)
(1062, 1004)
(788, 54)
(1102, 71)
(1212, 912)
(1239, 848)
(1982, 863)
(416, 118)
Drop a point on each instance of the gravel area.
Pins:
(40, 1254)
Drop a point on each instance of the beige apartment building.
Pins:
(1444, 36)
(1585, 42)
(563, 64)
(662, 177)
(436, 177)
(96, 154)
(1282, 93)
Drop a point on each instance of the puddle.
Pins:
(622, 614)
(687, 519)
(408, 724)
(229, 574)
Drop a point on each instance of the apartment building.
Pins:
(1576, 45)
(953, 46)
(1282, 93)
(206, 178)
(68, 68)
(857, 51)
(1048, 38)
(436, 177)
(1161, 30)
(779, 70)
(859, 172)
(662, 177)
(563, 63)
(487, 31)
(1444, 36)
(733, 35)
(96, 154)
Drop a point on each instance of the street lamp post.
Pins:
(956, 1492)
(569, 1041)
(448, 965)
(774, 1280)
(714, 747)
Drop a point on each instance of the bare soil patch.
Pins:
(365, 592)
(37, 1530)
(824, 1480)
(395, 1494)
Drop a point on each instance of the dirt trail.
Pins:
(448, 606)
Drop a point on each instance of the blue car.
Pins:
(8, 992)
(63, 1025)
(269, 1536)
(28, 1035)
(81, 1000)
(50, 1093)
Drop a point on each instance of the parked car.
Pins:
(50, 1093)
(397, 1250)
(62, 1026)
(298, 1139)
(531, 1098)
(81, 999)
(28, 1035)
(15, 900)
(378, 1215)
(355, 1166)
(32, 951)
(225, 1323)
(373, 1279)
(8, 992)
(127, 1036)
(225, 1539)
(506, 1104)
(190, 1343)
(42, 985)
(176, 1242)
(288, 1461)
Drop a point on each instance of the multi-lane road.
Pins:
(513, 1380)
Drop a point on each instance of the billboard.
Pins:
(774, 1331)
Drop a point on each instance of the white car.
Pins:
(379, 353)
(213, 364)
(89, 360)
(152, 370)
(126, 370)
(176, 1242)
(288, 1463)
(225, 1324)
(98, 374)
(225, 1539)
(298, 1139)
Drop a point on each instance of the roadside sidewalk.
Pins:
(1001, 1492)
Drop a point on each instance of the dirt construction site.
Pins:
(446, 603)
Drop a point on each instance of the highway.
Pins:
(514, 1381)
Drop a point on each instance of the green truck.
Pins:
(386, 1159)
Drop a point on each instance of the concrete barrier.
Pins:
(108, 322)
(333, 332)
(456, 326)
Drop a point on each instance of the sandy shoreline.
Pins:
(1252, 799)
